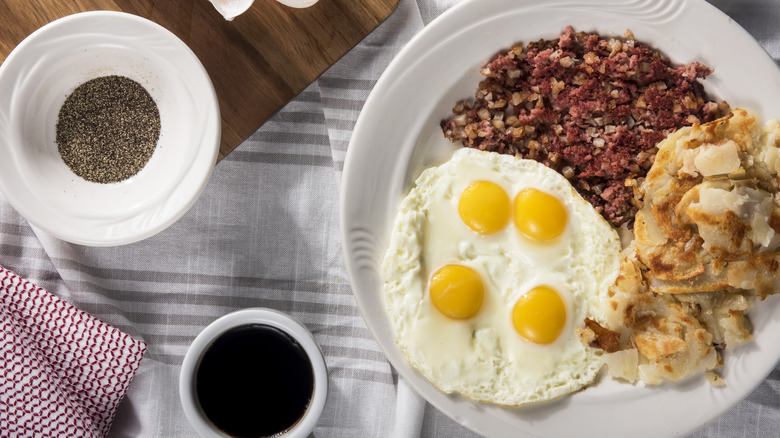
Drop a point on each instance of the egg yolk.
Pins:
(539, 215)
(539, 315)
(456, 291)
(484, 206)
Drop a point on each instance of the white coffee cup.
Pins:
(269, 317)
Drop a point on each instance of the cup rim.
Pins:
(257, 315)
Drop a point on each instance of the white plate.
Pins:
(45, 68)
(398, 134)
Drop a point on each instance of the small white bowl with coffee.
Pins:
(254, 373)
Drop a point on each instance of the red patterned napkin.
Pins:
(62, 372)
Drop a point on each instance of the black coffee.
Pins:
(254, 381)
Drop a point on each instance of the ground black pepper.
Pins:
(107, 129)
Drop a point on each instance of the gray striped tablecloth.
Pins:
(266, 233)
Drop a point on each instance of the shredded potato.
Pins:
(706, 246)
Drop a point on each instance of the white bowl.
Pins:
(35, 80)
(270, 317)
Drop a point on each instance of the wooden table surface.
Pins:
(257, 62)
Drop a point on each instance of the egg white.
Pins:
(483, 357)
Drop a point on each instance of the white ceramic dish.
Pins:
(239, 318)
(398, 134)
(231, 9)
(45, 68)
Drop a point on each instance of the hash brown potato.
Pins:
(705, 247)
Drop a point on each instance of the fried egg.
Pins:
(493, 264)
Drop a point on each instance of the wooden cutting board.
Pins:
(257, 62)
